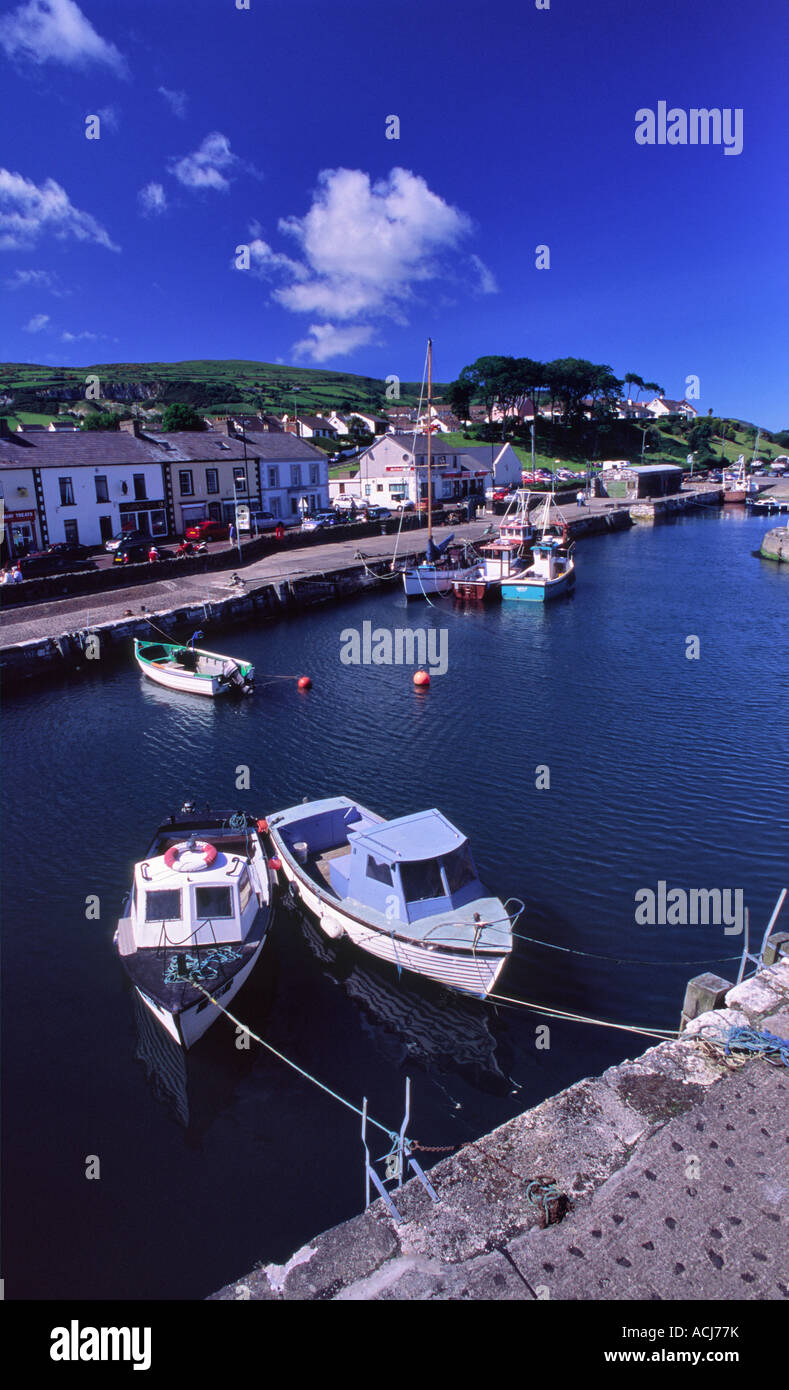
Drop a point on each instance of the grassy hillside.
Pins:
(208, 385)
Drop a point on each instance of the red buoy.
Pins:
(275, 863)
(304, 683)
(422, 679)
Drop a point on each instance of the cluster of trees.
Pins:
(509, 382)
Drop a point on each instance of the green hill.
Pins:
(238, 385)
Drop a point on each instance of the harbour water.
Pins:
(662, 768)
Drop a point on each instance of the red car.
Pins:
(208, 530)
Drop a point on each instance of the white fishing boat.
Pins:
(441, 567)
(737, 485)
(193, 670)
(405, 890)
(197, 915)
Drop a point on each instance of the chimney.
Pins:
(225, 426)
(4, 430)
(131, 427)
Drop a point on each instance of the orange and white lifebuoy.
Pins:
(190, 857)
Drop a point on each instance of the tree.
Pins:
(630, 379)
(458, 395)
(181, 417)
(100, 420)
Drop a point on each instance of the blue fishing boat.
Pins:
(551, 574)
(406, 890)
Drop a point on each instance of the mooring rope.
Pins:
(622, 960)
(392, 1134)
(662, 1034)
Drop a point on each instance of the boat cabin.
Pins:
(192, 894)
(406, 869)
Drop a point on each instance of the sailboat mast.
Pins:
(429, 439)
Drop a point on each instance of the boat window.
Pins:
(459, 869)
(422, 879)
(244, 889)
(381, 872)
(164, 905)
(214, 902)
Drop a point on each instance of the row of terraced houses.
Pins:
(85, 487)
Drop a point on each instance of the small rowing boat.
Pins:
(193, 670)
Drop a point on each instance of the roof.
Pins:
(652, 468)
(423, 835)
(107, 447)
(287, 447)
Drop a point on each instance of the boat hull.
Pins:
(537, 590)
(470, 971)
(429, 579)
(188, 1025)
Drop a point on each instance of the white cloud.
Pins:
(366, 245)
(487, 280)
(36, 280)
(208, 166)
(37, 323)
(57, 31)
(27, 210)
(152, 199)
(325, 340)
(175, 100)
(108, 116)
(264, 262)
(76, 337)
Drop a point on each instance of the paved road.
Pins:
(33, 621)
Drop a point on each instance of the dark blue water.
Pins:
(660, 768)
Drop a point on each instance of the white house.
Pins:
(660, 407)
(394, 469)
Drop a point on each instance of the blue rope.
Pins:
(759, 1042)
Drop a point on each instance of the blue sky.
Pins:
(223, 127)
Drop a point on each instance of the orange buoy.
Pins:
(304, 683)
(422, 679)
(275, 863)
(263, 827)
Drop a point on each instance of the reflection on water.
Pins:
(414, 1021)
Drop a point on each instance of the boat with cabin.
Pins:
(501, 558)
(198, 914)
(405, 890)
(737, 485)
(441, 566)
(551, 573)
(193, 670)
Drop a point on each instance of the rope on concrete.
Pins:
(757, 1041)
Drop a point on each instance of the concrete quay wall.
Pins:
(80, 650)
(675, 1164)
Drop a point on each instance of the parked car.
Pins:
(58, 559)
(208, 530)
(132, 552)
(319, 521)
(124, 536)
(259, 520)
(406, 505)
(373, 513)
(346, 504)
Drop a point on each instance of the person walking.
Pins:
(232, 534)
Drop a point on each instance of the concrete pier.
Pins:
(676, 1165)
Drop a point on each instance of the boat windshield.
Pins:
(459, 869)
(422, 879)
